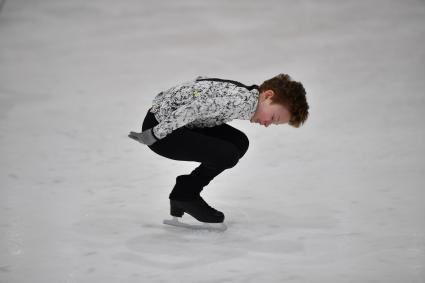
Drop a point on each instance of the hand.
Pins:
(146, 137)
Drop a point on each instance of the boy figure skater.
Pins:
(188, 122)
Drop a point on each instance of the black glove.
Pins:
(146, 137)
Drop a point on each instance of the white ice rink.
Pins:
(341, 199)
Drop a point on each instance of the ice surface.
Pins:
(340, 199)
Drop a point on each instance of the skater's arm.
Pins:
(178, 118)
(197, 109)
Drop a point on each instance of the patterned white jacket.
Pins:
(203, 102)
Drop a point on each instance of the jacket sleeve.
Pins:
(186, 114)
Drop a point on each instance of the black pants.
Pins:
(216, 148)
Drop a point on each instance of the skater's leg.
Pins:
(206, 171)
(215, 155)
(217, 148)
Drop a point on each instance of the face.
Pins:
(267, 113)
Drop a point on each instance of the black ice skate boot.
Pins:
(198, 209)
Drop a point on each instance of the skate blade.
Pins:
(204, 226)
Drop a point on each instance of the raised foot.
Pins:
(175, 221)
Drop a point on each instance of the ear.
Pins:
(268, 93)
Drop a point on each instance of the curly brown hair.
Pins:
(290, 94)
